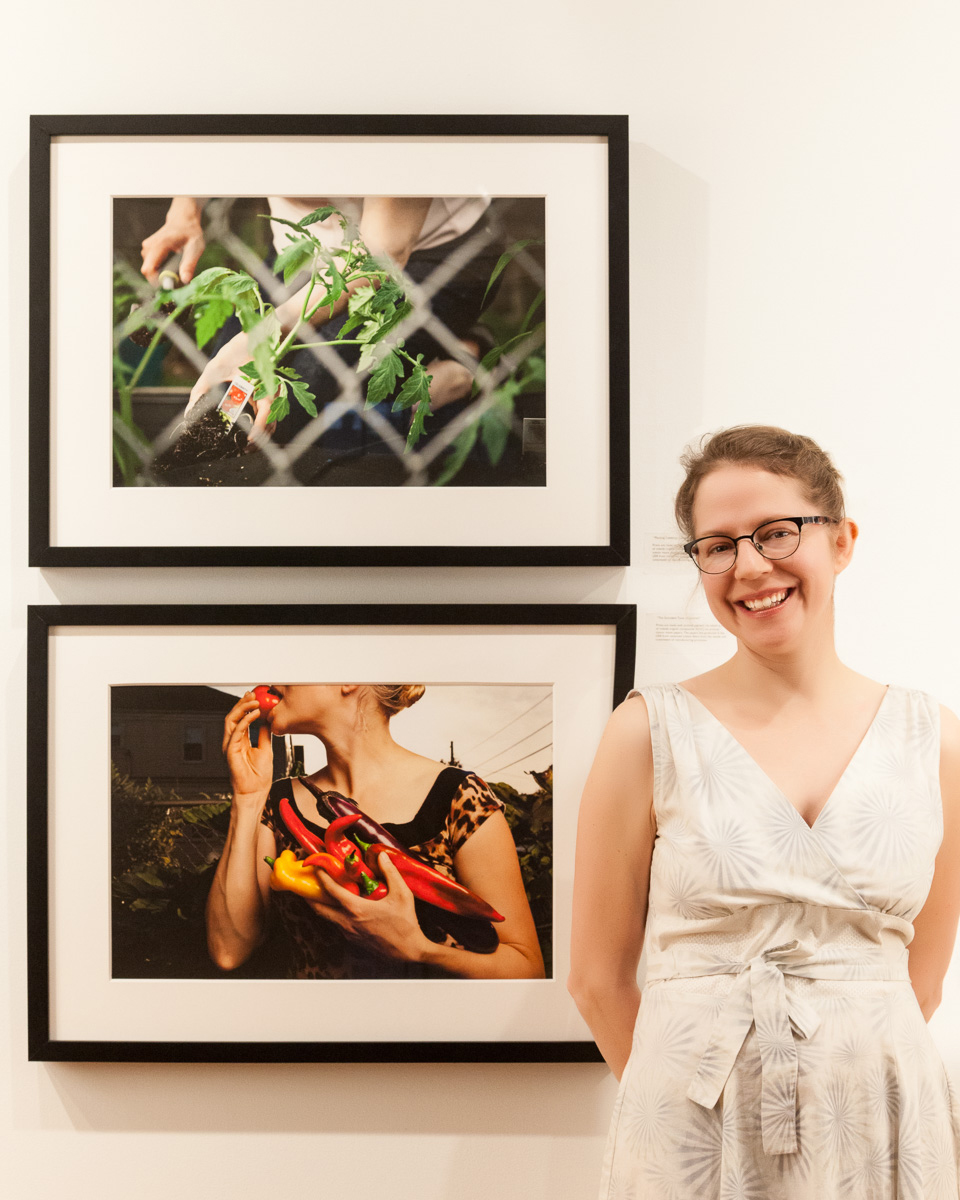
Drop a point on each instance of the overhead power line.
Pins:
(512, 721)
(505, 749)
(523, 758)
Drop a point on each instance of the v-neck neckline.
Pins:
(811, 825)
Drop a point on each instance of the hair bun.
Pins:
(392, 697)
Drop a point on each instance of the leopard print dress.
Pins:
(456, 806)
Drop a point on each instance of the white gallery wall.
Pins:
(795, 179)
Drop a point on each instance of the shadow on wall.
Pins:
(668, 316)
(483, 1099)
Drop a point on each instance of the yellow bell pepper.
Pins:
(290, 875)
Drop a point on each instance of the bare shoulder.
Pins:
(623, 766)
(628, 729)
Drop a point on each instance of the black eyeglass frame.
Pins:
(748, 537)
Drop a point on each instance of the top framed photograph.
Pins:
(418, 324)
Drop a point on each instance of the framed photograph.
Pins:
(211, 852)
(408, 334)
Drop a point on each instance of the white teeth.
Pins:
(767, 602)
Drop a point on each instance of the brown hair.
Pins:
(771, 449)
(392, 697)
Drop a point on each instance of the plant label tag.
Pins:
(235, 406)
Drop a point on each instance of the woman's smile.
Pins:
(759, 603)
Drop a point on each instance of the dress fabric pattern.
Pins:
(779, 1050)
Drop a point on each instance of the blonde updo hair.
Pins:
(392, 697)
(771, 449)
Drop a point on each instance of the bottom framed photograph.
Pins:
(260, 846)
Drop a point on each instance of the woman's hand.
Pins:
(181, 230)
(388, 927)
(221, 368)
(251, 767)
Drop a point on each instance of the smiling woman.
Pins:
(799, 829)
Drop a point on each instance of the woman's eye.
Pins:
(718, 548)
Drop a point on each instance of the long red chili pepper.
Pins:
(309, 841)
(431, 885)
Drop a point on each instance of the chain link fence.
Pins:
(469, 314)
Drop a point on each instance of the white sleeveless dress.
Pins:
(779, 1050)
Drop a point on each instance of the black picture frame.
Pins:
(611, 497)
(605, 632)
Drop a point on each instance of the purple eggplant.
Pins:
(365, 828)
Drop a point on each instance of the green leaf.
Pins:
(384, 297)
(337, 285)
(293, 258)
(239, 287)
(420, 414)
(280, 407)
(533, 378)
(493, 356)
(415, 388)
(534, 305)
(495, 424)
(263, 339)
(207, 283)
(350, 324)
(149, 877)
(361, 299)
(392, 320)
(383, 378)
(318, 214)
(289, 372)
(459, 453)
(203, 812)
(293, 225)
(304, 397)
(210, 319)
(504, 261)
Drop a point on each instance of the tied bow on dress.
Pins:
(759, 997)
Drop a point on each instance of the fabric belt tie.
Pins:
(759, 996)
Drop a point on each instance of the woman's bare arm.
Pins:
(615, 837)
(487, 864)
(935, 927)
(238, 898)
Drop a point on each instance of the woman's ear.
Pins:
(347, 689)
(848, 532)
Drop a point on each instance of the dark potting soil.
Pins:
(203, 439)
(143, 336)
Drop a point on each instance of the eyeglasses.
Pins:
(773, 539)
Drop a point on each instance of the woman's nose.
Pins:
(750, 562)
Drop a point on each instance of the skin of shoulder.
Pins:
(935, 926)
